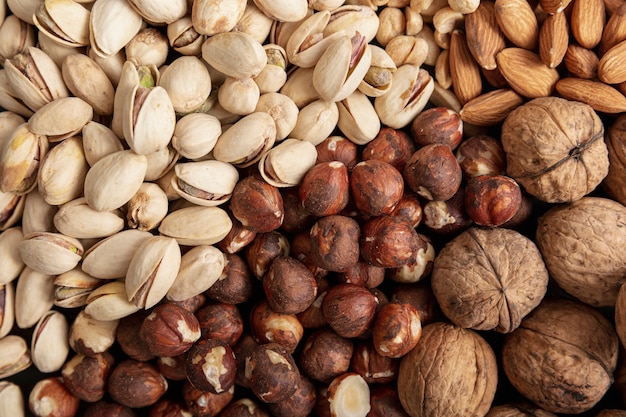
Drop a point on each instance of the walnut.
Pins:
(489, 279)
(611, 413)
(582, 244)
(615, 181)
(555, 149)
(451, 372)
(518, 410)
(562, 356)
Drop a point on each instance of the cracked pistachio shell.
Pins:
(307, 43)
(56, 51)
(11, 209)
(160, 162)
(205, 183)
(99, 141)
(24, 9)
(152, 271)
(85, 79)
(200, 268)
(184, 38)
(196, 225)
(409, 93)
(73, 287)
(34, 296)
(20, 160)
(352, 19)
(108, 302)
(114, 179)
(160, 11)
(49, 345)
(10, 259)
(147, 208)
(316, 121)
(61, 118)
(38, 216)
(255, 23)
(186, 96)
(8, 98)
(236, 54)
(211, 17)
(358, 119)
(282, 109)
(277, 167)
(299, 87)
(379, 76)
(112, 24)
(9, 121)
(196, 134)
(50, 253)
(341, 68)
(110, 257)
(7, 308)
(90, 336)
(62, 173)
(284, 10)
(15, 36)
(44, 82)
(15, 357)
(78, 220)
(11, 400)
(274, 75)
(244, 143)
(64, 21)
(148, 119)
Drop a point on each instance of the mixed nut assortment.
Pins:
(328, 207)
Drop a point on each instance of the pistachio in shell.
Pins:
(307, 43)
(64, 21)
(20, 160)
(196, 134)
(110, 257)
(85, 79)
(277, 167)
(358, 119)
(184, 38)
(15, 356)
(185, 96)
(49, 345)
(34, 296)
(73, 287)
(206, 183)
(147, 207)
(12, 264)
(108, 302)
(7, 309)
(200, 268)
(235, 54)
(211, 17)
(196, 225)
(50, 253)
(160, 11)
(112, 25)
(284, 10)
(78, 220)
(61, 118)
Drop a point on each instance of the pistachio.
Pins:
(358, 119)
(244, 143)
(299, 86)
(98, 142)
(112, 24)
(206, 183)
(377, 79)
(12, 264)
(235, 54)
(9, 99)
(34, 296)
(196, 225)
(89, 336)
(20, 159)
(196, 134)
(73, 287)
(24, 9)
(160, 162)
(152, 271)
(307, 43)
(8, 122)
(50, 253)
(211, 17)
(55, 50)
(110, 257)
(85, 79)
(282, 109)
(114, 179)
(239, 95)
(15, 36)
(11, 209)
(49, 345)
(274, 75)
(185, 96)
(130, 77)
(11, 400)
(108, 302)
(64, 21)
(184, 38)
(15, 356)
(284, 10)
(200, 268)
(78, 220)
(352, 18)
(277, 167)
(111, 65)
(147, 207)
(316, 121)
(160, 11)
(38, 215)
(61, 118)
(7, 308)
(254, 22)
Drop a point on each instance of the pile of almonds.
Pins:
(340, 208)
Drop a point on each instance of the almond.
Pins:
(612, 65)
(553, 39)
(581, 62)
(554, 6)
(464, 70)
(612, 5)
(600, 96)
(525, 72)
(484, 37)
(518, 22)
(615, 30)
(587, 22)
(491, 108)
(495, 78)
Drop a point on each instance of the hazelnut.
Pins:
(523, 214)
(322, 406)
(211, 366)
(325, 189)
(220, 321)
(349, 309)
(385, 402)
(298, 404)
(244, 407)
(243, 349)
(272, 373)
(257, 204)
(421, 297)
(205, 403)
(376, 187)
(371, 365)
(263, 249)
(335, 243)
(235, 284)
(364, 274)
(492, 200)
(447, 217)
(396, 329)
(296, 218)
(481, 155)
(416, 269)
(289, 286)
(389, 242)
(86, 376)
(269, 326)
(410, 208)
(191, 304)
(50, 397)
(313, 317)
(126, 336)
(433, 172)
(302, 250)
(108, 409)
(136, 384)
(349, 395)
(390, 145)
(325, 355)
(172, 367)
(169, 330)
(437, 125)
(237, 238)
(168, 408)
(337, 148)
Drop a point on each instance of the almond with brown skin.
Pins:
(464, 70)
(581, 62)
(553, 39)
(491, 108)
(600, 96)
(525, 72)
(518, 22)
(484, 37)
(554, 6)
(612, 65)
(587, 22)
(615, 30)
(612, 5)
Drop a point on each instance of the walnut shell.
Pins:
(555, 148)
(451, 372)
(615, 181)
(518, 410)
(489, 279)
(562, 356)
(582, 244)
